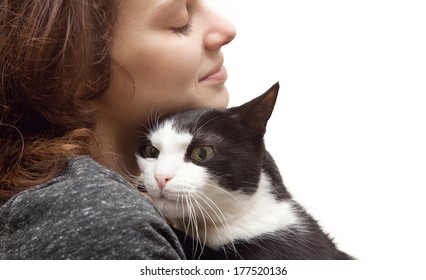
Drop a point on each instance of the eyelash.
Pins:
(185, 30)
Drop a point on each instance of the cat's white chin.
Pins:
(170, 207)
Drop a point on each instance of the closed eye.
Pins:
(185, 30)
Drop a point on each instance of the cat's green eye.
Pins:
(202, 153)
(151, 152)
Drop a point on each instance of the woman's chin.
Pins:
(214, 96)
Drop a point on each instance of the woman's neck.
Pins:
(117, 148)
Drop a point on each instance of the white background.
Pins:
(349, 127)
(348, 131)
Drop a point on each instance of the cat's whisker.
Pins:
(224, 222)
(182, 202)
(153, 118)
(145, 126)
(202, 211)
(120, 166)
(203, 244)
(212, 184)
(193, 223)
(187, 218)
(196, 122)
(209, 121)
(249, 183)
(209, 200)
(141, 136)
(194, 129)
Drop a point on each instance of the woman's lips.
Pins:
(218, 75)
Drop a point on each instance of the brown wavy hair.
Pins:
(54, 57)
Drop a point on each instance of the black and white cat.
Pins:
(209, 174)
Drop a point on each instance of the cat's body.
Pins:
(209, 174)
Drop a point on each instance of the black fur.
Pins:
(308, 242)
(236, 136)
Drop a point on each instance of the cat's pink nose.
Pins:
(162, 180)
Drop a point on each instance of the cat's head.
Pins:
(206, 158)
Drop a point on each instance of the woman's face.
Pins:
(167, 57)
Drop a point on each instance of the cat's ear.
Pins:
(256, 113)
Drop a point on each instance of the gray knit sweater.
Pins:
(88, 212)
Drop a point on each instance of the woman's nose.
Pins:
(220, 33)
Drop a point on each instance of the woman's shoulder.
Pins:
(79, 183)
(87, 212)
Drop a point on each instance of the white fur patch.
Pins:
(186, 177)
(192, 196)
(259, 214)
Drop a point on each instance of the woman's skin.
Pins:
(167, 57)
